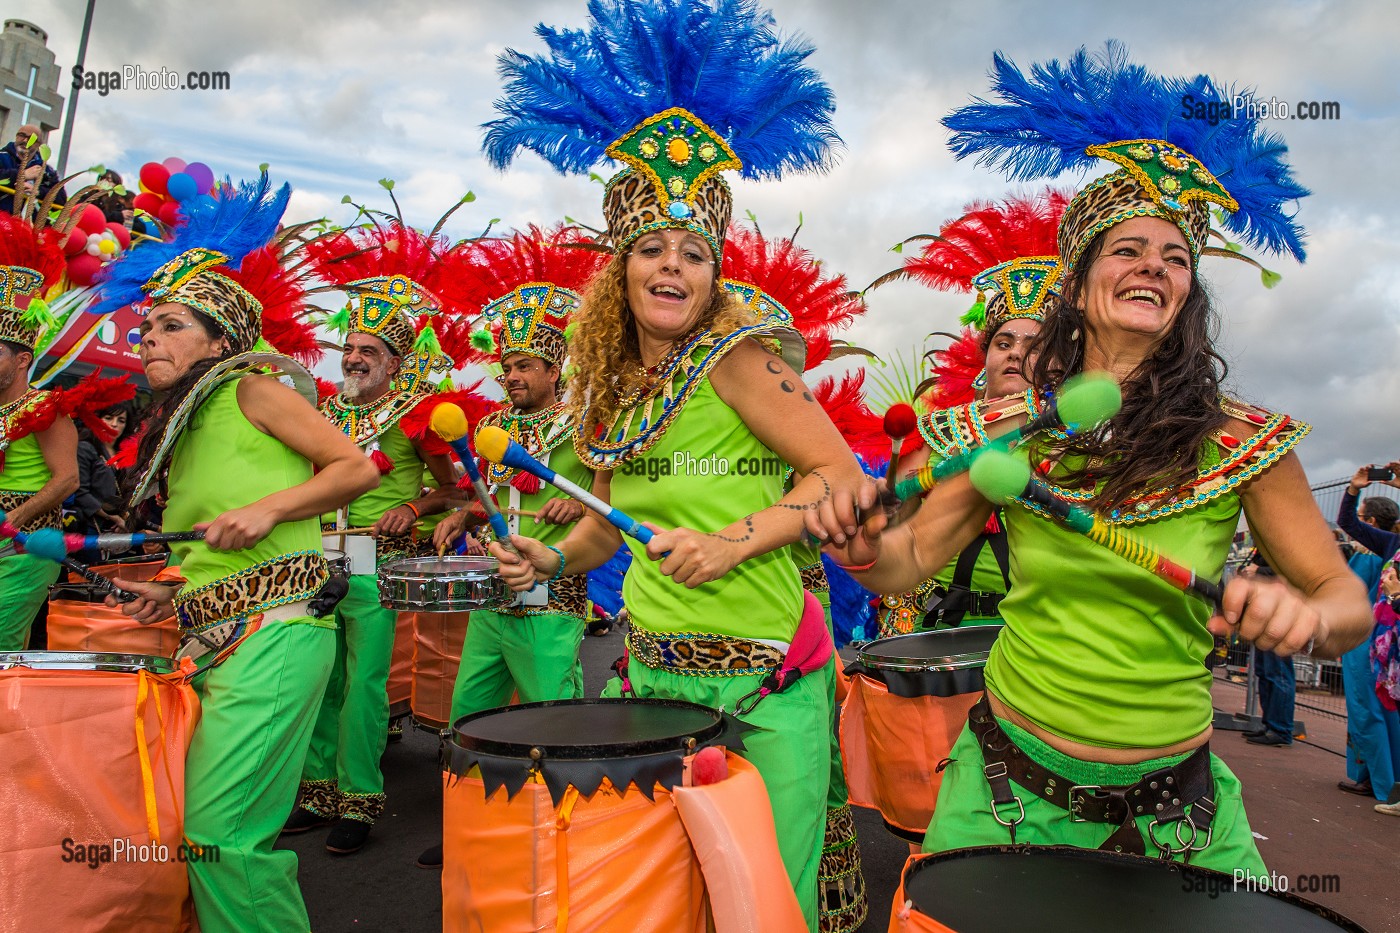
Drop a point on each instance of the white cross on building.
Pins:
(28, 95)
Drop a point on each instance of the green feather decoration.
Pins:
(483, 342)
(975, 315)
(37, 315)
(339, 322)
(427, 342)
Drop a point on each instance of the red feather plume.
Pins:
(789, 274)
(492, 267)
(989, 233)
(40, 250)
(845, 405)
(325, 389)
(417, 423)
(125, 457)
(955, 369)
(283, 296)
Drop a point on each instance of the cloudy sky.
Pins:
(336, 95)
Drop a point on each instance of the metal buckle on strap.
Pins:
(1074, 802)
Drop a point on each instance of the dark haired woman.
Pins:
(251, 462)
(95, 502)
(1095, 725)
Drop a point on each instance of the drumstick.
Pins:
(900, 421)
(1001, 477)
(497, 447)
(1086, 401)
(49, 543)
(449, 422)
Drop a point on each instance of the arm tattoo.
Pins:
(810, 506)
(748, 532)
(775, 367)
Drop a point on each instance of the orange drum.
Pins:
(140, 568)
(543, 802)
(401, 667)
(92, 792)
(438, 638)
(906, 706)
(80, 620)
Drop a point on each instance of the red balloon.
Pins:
(154, 176)
(92, 219)
(76, 242)
(82, 268)
(148, 202)
(122, 234)
(169, 213)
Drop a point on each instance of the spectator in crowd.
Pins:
(1277, 685)
(1385, 665)
(1379, 539)
(96, 503)
(21, 178)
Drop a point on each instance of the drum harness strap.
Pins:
(1164, 794)
(952, 603)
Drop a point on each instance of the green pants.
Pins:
(963, 815)
(791, 749)
(241, 776)
(24, 587)
(351, 728)
(536, 656)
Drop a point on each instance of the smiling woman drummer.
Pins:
(233, 453)
(1095, 726)
(673, 372)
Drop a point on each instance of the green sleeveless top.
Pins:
(24, 469)
(1098, 650)
(402, 484)
(221, 462)
(703, 470)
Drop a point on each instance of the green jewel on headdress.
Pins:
(378, 305)
(677, 153)
(178, 271)
(1170, 174)
(187, 279)
(533, 318)
(1019, 289)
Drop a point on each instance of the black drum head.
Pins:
(941, 663)
(1061, 889)
(580, 742)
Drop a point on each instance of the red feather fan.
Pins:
(40, 250)
(845, 405)
(989, 233)
(417, 423)
(790, 275)
(83, 401)
(125, 457)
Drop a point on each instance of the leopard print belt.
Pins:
(282, 580)
(9, 501)
(701, 654)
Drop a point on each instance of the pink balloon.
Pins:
(203, 176)
(174, 164)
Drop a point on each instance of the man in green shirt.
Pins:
(384, 367)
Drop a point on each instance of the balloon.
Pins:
(203, 176)
(76, 242)
(173, 165)
(154, 176)
(150, 203)
(92, 219)
(83, 268)
(181, 187)
(107, 247)
(94, 245)
(122, 235)
(169, 213)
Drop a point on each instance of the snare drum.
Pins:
(80, 620)
(992, 889)
(907, 704)
(543, 801)
(77, 778)
(358, 554)
(443, 584)
(339, 561)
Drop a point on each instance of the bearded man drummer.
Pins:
(385, 369)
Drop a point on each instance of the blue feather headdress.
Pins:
(678, 90)
(1065, 116)
(219, 232)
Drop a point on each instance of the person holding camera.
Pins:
(1372, 529)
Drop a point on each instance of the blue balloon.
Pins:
(181, 186)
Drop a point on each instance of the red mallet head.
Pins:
(708, 767)
(901, 420)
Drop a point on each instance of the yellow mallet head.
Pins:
(449, 422)
(491, 443)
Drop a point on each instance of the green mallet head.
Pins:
(1088, 400)
(999, 476)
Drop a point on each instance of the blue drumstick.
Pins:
(497, 447)
(449, 422)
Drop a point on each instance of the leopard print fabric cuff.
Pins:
(9, 501)
(814, 578)
(701, 654)
(567, 596)
(286, 579)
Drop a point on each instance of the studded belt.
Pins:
(1163, 794)
(701, 654)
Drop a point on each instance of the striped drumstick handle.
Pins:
(1125, 545)
(928, 476)
(518, 457)
(493, 512)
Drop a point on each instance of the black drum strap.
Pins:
(952, 607)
